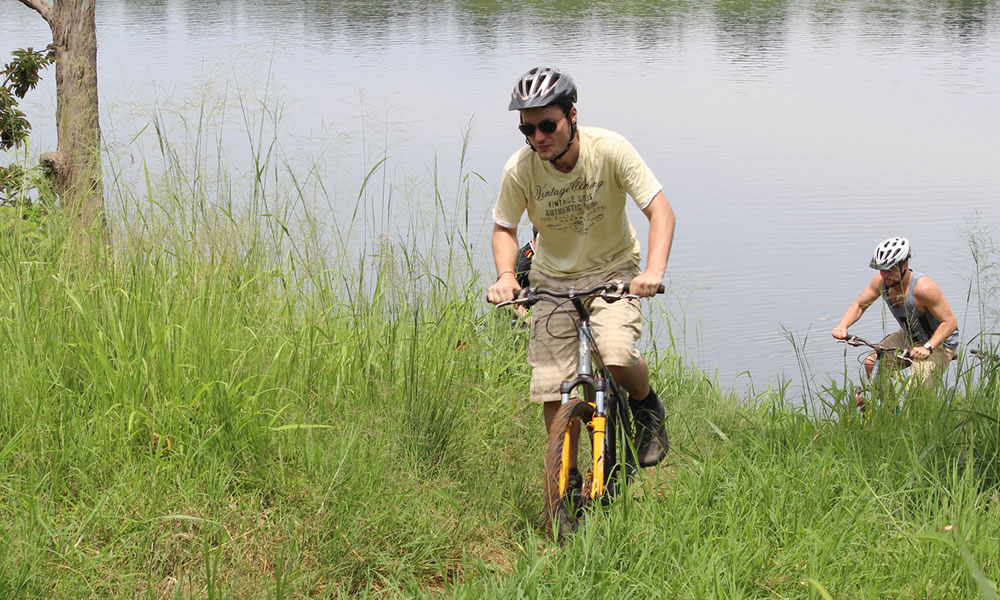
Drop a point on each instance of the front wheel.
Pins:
(567, 492)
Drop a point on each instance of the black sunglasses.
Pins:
(547, 126)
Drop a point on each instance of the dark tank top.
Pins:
(917, 325)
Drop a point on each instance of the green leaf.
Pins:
(717, 431)
(819, 588)
(292, 426)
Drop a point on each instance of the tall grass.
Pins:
(765, 502)
(234, 403)
(221, 408)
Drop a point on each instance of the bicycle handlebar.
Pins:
(853, 340)
(856, 341)
(609, 291)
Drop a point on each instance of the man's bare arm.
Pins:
(662, 222)
(857, 308)
(504, 243)
(930, 298)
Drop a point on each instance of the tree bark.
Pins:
(76, 164)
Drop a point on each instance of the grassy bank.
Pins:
(192, 419)
(245, 397)
(212, 418)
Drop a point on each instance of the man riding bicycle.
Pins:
(928, 328)
(572, 181)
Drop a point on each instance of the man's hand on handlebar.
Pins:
(840, 333)
(645, 285)
(503, 288)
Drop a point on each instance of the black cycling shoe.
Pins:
(651, 440)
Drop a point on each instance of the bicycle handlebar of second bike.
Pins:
(609, 291)
(853, 340)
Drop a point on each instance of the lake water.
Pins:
(790, 137)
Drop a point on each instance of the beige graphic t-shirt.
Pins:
(582, 224)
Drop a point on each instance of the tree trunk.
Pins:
(76, 164)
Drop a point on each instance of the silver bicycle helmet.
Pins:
(540, 87)
(890, 253)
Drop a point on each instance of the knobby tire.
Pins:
(565, 511)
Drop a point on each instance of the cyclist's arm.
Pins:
(931, 299)
(857, 308)
(504, 243)
(661, 237)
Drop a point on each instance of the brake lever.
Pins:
(524, 297)
(617, 293)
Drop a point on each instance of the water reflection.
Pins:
(968, 20)
(750, 28)
(752, 31)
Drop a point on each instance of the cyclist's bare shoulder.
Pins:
(928, 295)
(871, 292)
(926, 288)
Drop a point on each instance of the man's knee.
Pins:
(634, 378)
(638, 369)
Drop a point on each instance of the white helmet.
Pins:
(890, 253)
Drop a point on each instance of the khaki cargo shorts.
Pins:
(922, 371)
(552, 351)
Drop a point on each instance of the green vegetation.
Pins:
(17, 78)
(215, 410)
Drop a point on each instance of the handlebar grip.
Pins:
(659, 290)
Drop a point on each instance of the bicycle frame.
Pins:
(595, 391)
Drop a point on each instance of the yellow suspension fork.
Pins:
(564, 466)
(600, 424)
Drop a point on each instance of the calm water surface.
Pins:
(790, 136)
